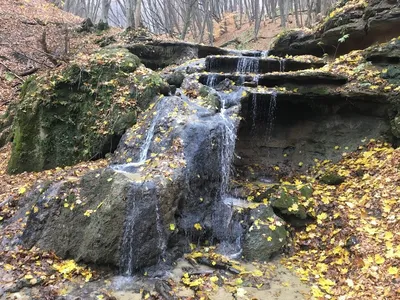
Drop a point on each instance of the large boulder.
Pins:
(6, 121)
(350, 26)
(266, 235)
(163, 189)
(81, 112)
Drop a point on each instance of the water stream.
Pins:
(160, 231)
(228, 139)
(264, 53)
(271, 115)
(282, 64)
(144, 149)
(248, 64)
(254, 111)
(211, 80)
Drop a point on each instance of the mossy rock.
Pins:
(176, 78)
(287, 200)
(6, 121)
(266, 235)
(332, 178)
(81, 112)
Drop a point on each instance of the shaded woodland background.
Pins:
(196, 19)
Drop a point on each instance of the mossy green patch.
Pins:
(80, 113)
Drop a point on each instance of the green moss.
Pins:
(288, 197)
(332, 179)
(80, 113)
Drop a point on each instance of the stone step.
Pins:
(259, 65)
(160, 54)
(275, 79)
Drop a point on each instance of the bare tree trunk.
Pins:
(105, 8)
(130, 13)
(282, 12)
(138, 14)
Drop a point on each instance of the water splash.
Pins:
(271, 115)
(282, 65)
(211, 80)
(256, 78)
(264, 53)
(248, 64)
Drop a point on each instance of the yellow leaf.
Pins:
(172, 227)
(300, 164)
(239, 281)
(198, 226)
(294, 207)
(8, 267)
(21, 190)
(393, 270)
(214, 279)
(379, 259)
(272, 227)
(321, 217)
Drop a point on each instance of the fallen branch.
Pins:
(9, 70)
(29, 72)
(217, 265)
(46, 51)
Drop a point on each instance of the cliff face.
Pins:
(351, 26)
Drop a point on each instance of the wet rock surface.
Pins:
(376, 22)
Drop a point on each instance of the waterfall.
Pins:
(127, 247)
(142, 197)
(211, 62)
(282, 63)
(160, 231)
(264, 53)
(256, 78)
(248, 64)
(228, 138)
(241, 79)
(271, 115)
(254, 111)
(144, 149)
(211, 80)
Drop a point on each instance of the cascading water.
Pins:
(227, 228)
(254, 111)
(144, 149)
(264, 53)
(160, 231)
(271, 115)
(211, 80)
(241, 79)
(228, 140)
(282, 64)
(248, 64)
